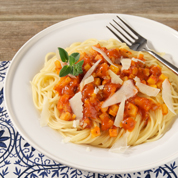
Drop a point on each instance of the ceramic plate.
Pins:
(30, 59)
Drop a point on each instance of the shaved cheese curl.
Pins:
(104, 55)
(101, 87)
(88, 80)
(120, 113)
(89, 72)
(120, 146)
(45, 114)
(77, 105)
(96, 90)
(137, 79)
(115, 78)
(128, 90)
(145, 89)
(166, 95)
(75, 123)
(137, 60)
(126, 63)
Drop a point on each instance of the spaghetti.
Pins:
(144, 117)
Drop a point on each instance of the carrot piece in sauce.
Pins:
(164, 109)
(113, 132)
(95, 132)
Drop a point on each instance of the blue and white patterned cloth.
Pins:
(20, 160)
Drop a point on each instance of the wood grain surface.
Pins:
(22, 19)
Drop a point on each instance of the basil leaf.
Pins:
(77, 69)
(65, 71)
(63, 54)
(80, 70)
(75, 73)
(76, 56)
(73, 67)
(71, 72)
(80, 63)
(71, 60)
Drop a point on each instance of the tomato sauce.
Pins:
(92, 102)
(128, 124)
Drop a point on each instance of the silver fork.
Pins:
(139, 43)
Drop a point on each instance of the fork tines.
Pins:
(120, 28)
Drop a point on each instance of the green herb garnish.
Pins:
(73, 67)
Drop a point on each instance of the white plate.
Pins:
(29, 60)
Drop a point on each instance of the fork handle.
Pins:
(163, 61)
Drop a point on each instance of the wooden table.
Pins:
(21, 19)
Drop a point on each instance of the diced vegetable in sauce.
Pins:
(93, 101)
